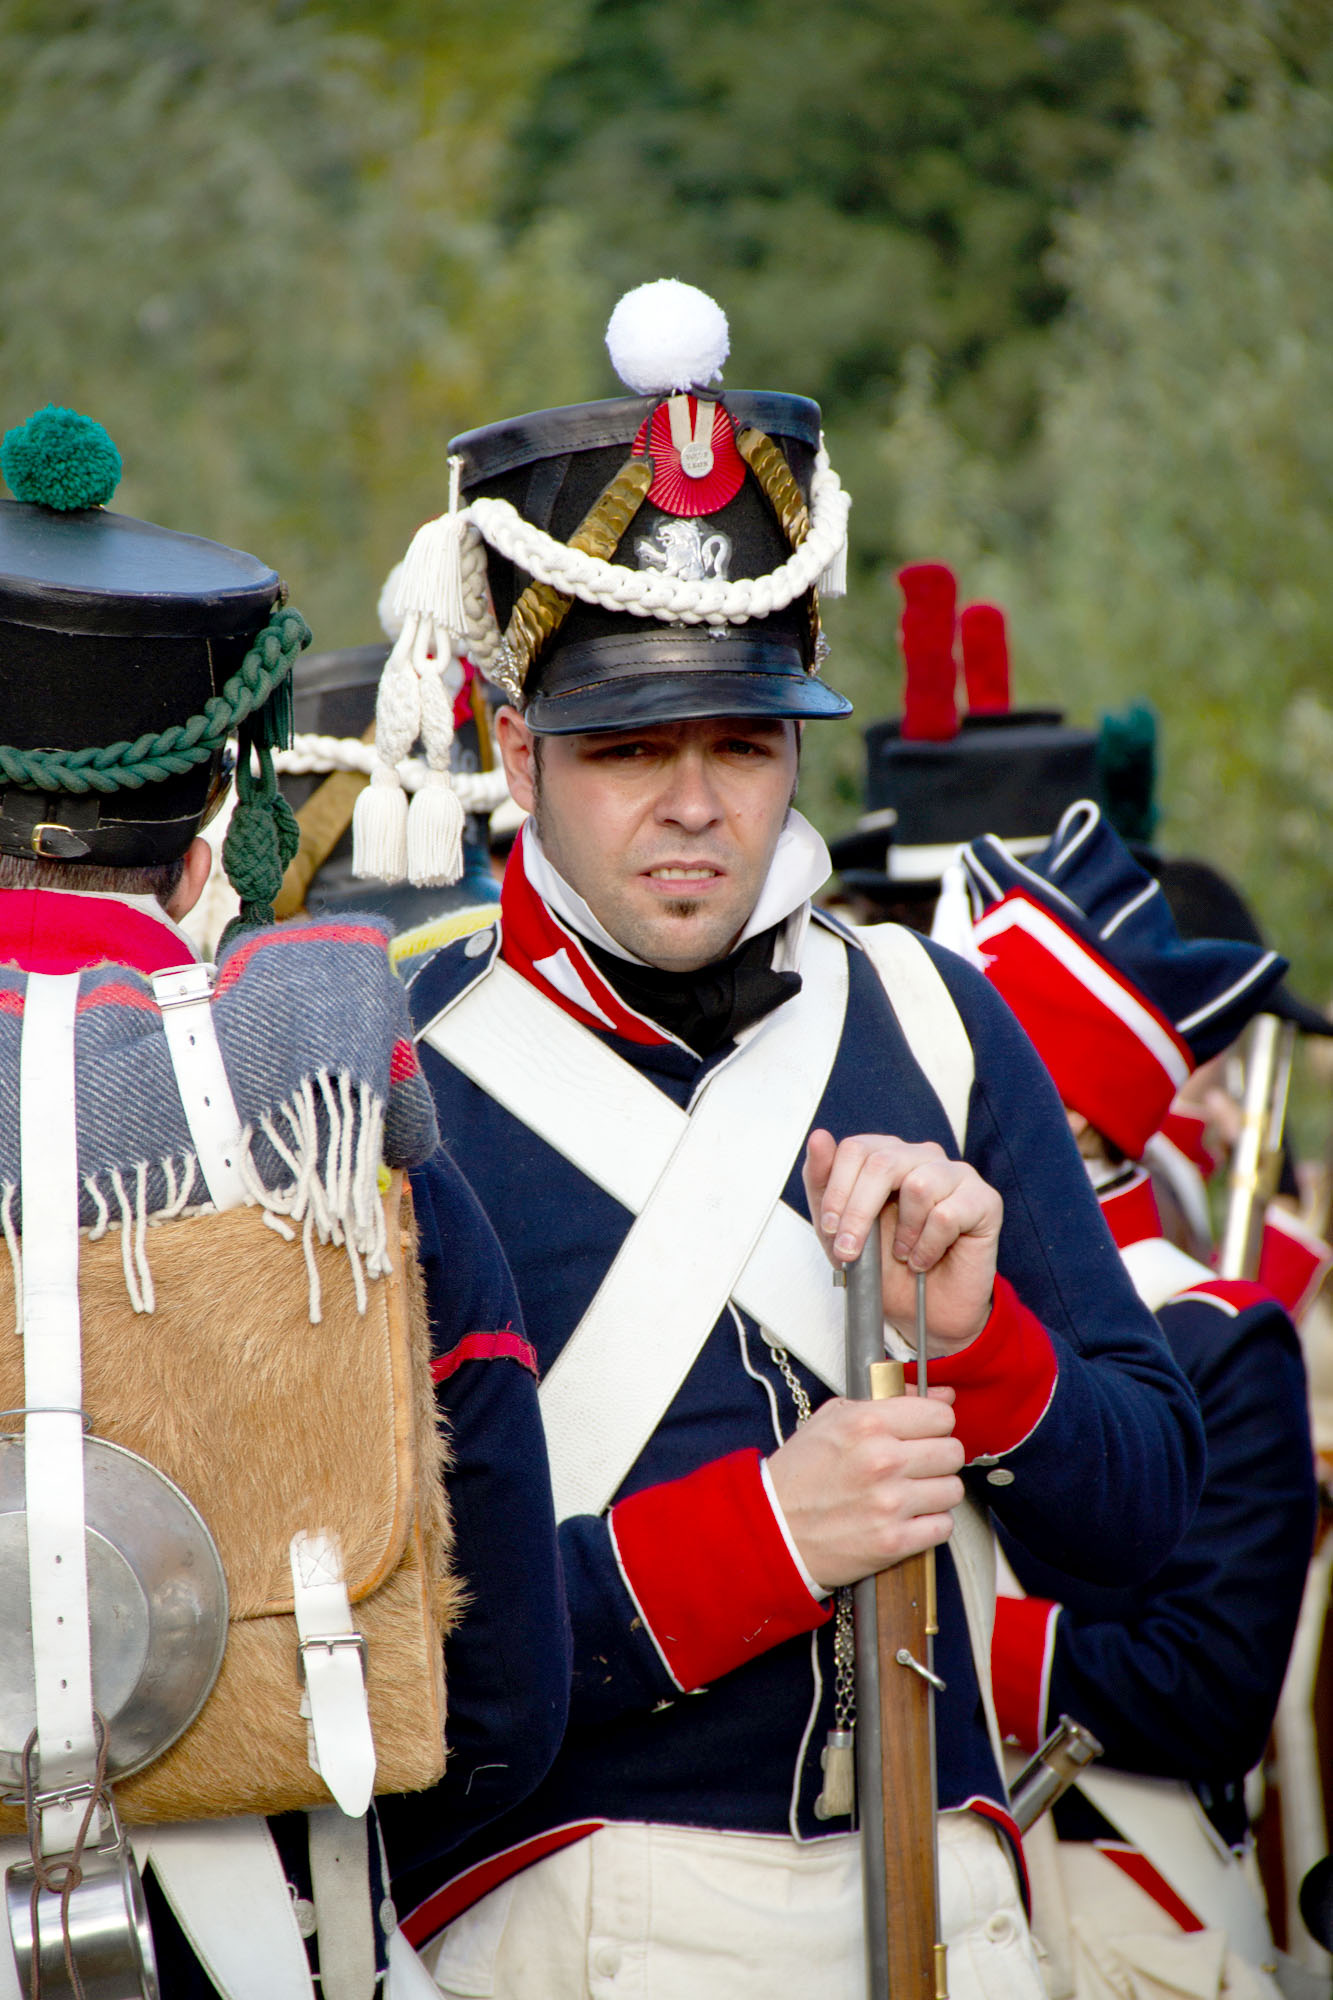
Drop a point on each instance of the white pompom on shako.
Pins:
(667, 337)
(668, 342)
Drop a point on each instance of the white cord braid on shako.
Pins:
(654, 594)
(314, 756)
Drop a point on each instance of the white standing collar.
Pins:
(801, 864)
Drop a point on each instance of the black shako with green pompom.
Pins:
(129, 656)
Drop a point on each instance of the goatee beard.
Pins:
(682, 909)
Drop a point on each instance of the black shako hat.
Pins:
(653, 558)
(934, 779)
(121, 654)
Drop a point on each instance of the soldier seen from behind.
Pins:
(248, 1290)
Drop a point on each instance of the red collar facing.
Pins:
(45, 930)
(551, 957)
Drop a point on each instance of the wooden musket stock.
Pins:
(895, 1715)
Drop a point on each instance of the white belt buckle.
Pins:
(332, 1657)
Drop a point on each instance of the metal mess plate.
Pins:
(157, 1600)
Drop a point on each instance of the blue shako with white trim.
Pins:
(1207, 988)
(1082, 944)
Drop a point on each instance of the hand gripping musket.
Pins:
(1257, 1153)
(895, 1698)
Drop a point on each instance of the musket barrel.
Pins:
(1258, 1145)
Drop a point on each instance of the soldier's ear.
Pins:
(518, 750)
(194, 879)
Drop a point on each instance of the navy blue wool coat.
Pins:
(1179, 1676)
(1083, 1434)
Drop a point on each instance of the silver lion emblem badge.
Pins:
(683, 550)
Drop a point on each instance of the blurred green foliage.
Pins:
(254, 242)
(1185, 547)
(1059, 275)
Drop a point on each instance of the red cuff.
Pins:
(1021, 1650)
(709, 1570)
(1005, 1379)
(1185, 1131)
(1293, 1261)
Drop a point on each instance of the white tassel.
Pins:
(379, 820)
(379, 828)
(833, 583)
(435, 826)
(952, 925)
(391, 622)
(430, 580)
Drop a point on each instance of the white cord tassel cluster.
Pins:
(423, 843)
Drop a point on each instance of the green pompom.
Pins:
(60, 459)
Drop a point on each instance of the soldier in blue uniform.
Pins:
(648, 1068)
(1179, 1675)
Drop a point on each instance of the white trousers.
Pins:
(678, 1913)
(1103, 1937)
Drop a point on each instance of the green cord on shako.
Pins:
(132, 654)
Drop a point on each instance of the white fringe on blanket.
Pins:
(333, 1194)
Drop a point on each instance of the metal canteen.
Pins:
(157, 1601)
(110, 1941)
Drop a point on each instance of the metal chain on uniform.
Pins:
(837, 1797)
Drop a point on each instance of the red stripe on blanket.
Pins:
(294, 934)
(115, 993)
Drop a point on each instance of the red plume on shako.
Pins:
(935, 779)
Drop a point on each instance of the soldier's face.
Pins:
(667, 831)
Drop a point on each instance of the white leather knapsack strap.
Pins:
(605, 1394)
(53, 1393)
(340, 1885)
(185, 995)
(228, 1891)
(334, 1671)
(927, 1016)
